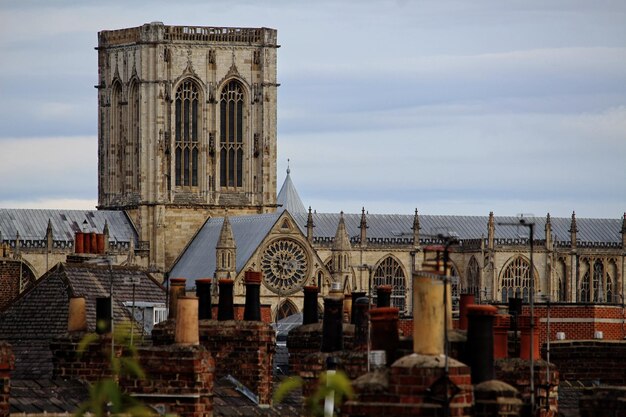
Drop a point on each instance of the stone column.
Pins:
(252, 309)
(186, 332)
(332, 326)
(177, 289)
(309, 314)
(225, 308)
(203, 292)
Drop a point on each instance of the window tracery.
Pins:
(187, 114)
(231, 135)
(473, 278)
(389, 272)
(516, 280)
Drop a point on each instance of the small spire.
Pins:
(416, 222)
(342, 240)
(491, 231)
(572, 231)
(105, 231)
(288, 169)
(573, 228)
(624, 224)
(309, 226)
(49, 228)
(226, 239)
(548, 232)
(363, 224)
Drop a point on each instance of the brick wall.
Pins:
(10, 281)
(306, 340)
(516, 372)
(590, 360)
(354, 364)
(406, 389)
(7, 364)
(179, 380)
(603, 402)
(89, 366)
(243, 349)
(577, 321)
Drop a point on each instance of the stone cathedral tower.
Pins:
(187, 128)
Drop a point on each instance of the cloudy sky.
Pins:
(451, 107)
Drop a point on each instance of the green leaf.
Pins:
(285, 387)
(87, 340)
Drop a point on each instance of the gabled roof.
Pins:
(40, 314)
(31, 224)
(288, 198)
(198, 259)
(397, 228)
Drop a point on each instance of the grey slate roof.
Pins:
(39, 396)
(40, 314)
(288, 198)
(32, 224)
(198, 259)
(397, 228)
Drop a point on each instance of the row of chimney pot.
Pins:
(226, 309)
(487, 332)
(93, 243)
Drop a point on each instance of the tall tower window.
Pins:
(186, 130)
(231, 135)
(134, 150)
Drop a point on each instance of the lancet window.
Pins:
(516, 280)
(231, 135)
(389, 272)
(187, 121)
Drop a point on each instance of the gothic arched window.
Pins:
(231, 135)
(597, 284)
(516, 280)
(117, 143)
(286, 309)
(389, 272)
(187, 115)
(473, 278)
(133, 164)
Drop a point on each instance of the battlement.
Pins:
(157, 32)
